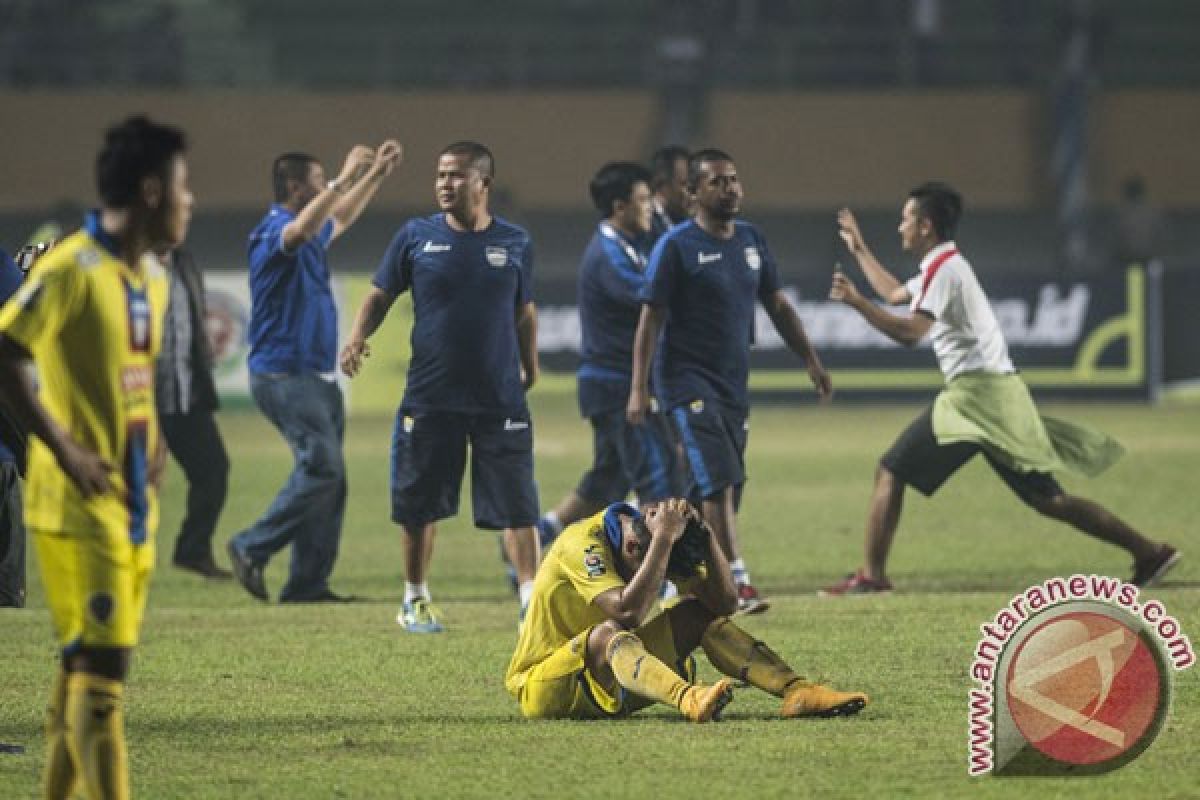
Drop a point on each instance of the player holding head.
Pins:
(293, 364)
(612, 275)
(669, 185)
(589, 649)
(704, 278)
(985, 405)
(474, 355)
(90, 316)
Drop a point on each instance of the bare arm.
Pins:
(631, 604)
(908, 330)
(370, 316)
(644, 341)
(88, 471)
(347, 209)
(309, 221)
(526, 318)
(883, 282)
(787, 322)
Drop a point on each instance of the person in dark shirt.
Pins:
(669, 185)
(612, 275)
(12, 447)
(704, 278)
(293, 365)
(474, 355)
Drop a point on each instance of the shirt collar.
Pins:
(91, 223)
(933, 254)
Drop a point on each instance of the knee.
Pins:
(1048, 505)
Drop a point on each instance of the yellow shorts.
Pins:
(96, 585)
(562, 687)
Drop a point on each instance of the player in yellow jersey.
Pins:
(90, 316)
(589, 649)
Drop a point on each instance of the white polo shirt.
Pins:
(965, 334)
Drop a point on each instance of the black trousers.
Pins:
(195, 442)
(12, 538)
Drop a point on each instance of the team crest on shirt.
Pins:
(496, 256)
(593, 561)
(696, 406)
(753, 259)
(408, 424)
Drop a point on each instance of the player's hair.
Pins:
(705, 156)
(289, 167)
(941, 205)
(615, 181)
(134, 150)
(479, 157)
(662, 164)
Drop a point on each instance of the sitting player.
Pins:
(586, 649)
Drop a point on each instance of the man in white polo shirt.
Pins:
(985, 406)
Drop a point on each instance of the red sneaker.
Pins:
(856, 583)
(750, 601)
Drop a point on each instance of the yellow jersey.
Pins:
(93, 326)
(577, 567)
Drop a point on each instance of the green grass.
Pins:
(231, 699)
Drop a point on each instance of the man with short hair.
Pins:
(612, 274)
(474, 355)
(293, 362)
(669, 183)
(704, 278)
(590, 649)
(90, 316)
(985, 406)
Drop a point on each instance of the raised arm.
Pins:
(309, 221)
(370, 316)
(787, 322)
(348, 207)
(526, 318)
(907, 330)
(883, 282)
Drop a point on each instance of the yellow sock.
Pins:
(739, 655)
(96, 735)
(642, 673)
(59, 777)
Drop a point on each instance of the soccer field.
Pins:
(232, 699)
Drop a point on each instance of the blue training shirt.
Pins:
(466, 288)
(612, 275)
(10, 280)
(293, 319)
(708, 287)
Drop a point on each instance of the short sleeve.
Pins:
(590, 568)
(46, 301)
(525, 270)
(394, 274)
(935, 293)
(324, 236)
(768, 277)
(662, 274)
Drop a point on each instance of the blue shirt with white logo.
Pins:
(708, 287)
(466, 288)
(293, 319)
(612, 275)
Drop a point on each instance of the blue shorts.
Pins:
(631, 457)
(714, 444)
(429, 454)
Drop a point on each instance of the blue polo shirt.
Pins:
(612, 275)
(293, 319)
(708, 287)
(10, 280)
(466, 288)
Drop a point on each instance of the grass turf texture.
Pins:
(229, 698)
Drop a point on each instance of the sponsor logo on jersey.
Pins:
(431, 247)
(707, 258)
(594, 564)
(496, 256)
(515, 425)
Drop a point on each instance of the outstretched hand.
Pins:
(849, 231)
(389, 156)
